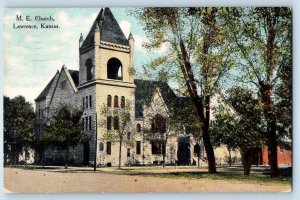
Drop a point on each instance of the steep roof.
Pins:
(46, 90)
(144, 91)
(110, 30)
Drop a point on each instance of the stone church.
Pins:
(106, 78)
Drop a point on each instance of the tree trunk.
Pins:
(66, 158)
(209, 152)
(266, 90)
(164, 154)
(186, 69)
(15, 157)
(273, 151)
(43, 158)
(247, 157)
(271, 127)
(229, 159)
(120, 152)
(198, 160)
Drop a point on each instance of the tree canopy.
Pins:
(19, 124)
(65, 129)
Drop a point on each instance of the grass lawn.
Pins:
(235, 175)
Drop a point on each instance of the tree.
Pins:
(263, 39)
(65, 130)
(161, 126)
(121, 120)
(198, 55)
(19, 123)
(239, 123)
(40, 142)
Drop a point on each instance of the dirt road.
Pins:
(39, 181)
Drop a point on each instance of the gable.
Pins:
(145, 90)
(157, 105)
(65, 90)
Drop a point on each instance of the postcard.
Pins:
(154, 99)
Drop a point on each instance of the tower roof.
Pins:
(110, 30)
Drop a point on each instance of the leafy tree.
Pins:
(65, 130)
(224, 130)
(40, 142)
(121, 120)
(263, 39)
(19, 123)
(197, 58)
(240, 124)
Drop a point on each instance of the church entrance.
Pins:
(184, 153)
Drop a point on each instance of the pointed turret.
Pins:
(97, 35)
(80, 40)
(131, 44)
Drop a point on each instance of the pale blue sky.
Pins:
(32, 56)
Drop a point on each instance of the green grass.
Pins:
(223, 176)
(231, 175)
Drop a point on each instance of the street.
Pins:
(18, 180)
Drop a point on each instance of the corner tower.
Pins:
(106, 78)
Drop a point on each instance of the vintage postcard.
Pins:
(176, 99)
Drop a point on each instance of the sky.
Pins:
(32, 56)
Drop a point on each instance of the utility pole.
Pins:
(95, 161)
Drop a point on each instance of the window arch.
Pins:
(116, 101)
(108, 100)
(138, 127)
(89, 69)
(122, 102)
(101, 146)
(114, 69)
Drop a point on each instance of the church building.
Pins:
(106, 79)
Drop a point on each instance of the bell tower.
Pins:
(106, 73)
(106, 54)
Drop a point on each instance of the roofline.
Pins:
(43, 98)
(62, 68)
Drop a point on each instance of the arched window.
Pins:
(101, 146)
(128, 136)
(138, 128)
(158, 124)
(122, 102)
(89, 68)
(116, 101)
(114, 69)
(108, 122)
(116, 123)
(109, 101)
